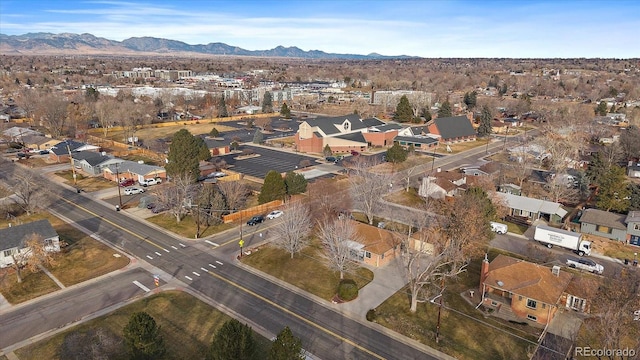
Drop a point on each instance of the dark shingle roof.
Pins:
(453, 127)
(11, 237)
(61, 147)
(93, 158)
(604, 218)
(353, 137)
(416, 139)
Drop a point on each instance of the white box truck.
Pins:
(551, 237)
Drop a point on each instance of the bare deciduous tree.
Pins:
(367, 187)
(292, 232)
(327, 198)
(174, 195)
(234, 192)
(107, 113)
(335, 235)
(52, 112)
(29, 192)
(32, 255)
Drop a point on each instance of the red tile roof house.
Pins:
(344, 134)
(525, 290)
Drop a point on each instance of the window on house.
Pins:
(367, 254)
(7, 253)
(532, 304)
(603, 229)
(532, 318)
(382, 256)
(636, 226)
(544, 306)
(519, 298)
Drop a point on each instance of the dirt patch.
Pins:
(612, 248)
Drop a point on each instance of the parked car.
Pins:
(43, 152)
(255, 220)
(127, 182)
(149, 182)
(21, 155)
(217, 174)
(274, 214)
(133, 191)
(150, 206)
(354, 153)
(585, 264)
(158, 209)
(498, 227)
(331, 159)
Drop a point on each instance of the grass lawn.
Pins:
(463, 146)
(151, 132)
(464, 333)
(516, 228)
(186, 324)
(613, 248)
(86, 183)
(138, 157)
(32, 285)
(187, 226)
(406, 198)
(305, 271)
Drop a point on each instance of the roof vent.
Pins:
(555, 270)
(500, 283)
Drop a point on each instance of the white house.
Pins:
(12, 239)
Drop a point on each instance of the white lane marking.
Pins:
(211, 243)
(188, 278)
(138, 284)
(213, 266)
(165, 250)
(157, 253)
(195, 273)
(203, 269)
(219, 263)
(174, 248)
(181, 244)
(149, 257)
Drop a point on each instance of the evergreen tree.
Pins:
(426, 114)
(267, 102)
(273, 188)
(29, 82)
(91, 94)
(258, 137)
(295, 183)
(142, 337)
(503, 89)
(396, 154)
(327, 150)
(404, 112)
(184, 152)
(613, 109)
(17, 81)
(286, 347)
(285, 112)
(233, 341)
(445, 110)
(234, 145)
(602, 108)
(203, 150)
(222, 107)
(214, 132)
(470, 99)
(613, 193)
(485, 122)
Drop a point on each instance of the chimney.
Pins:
(484, 270)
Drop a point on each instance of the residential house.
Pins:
(17, 133)
(344, 133)
(12, 239)
(452, 129)
(38, 142)
(133, 170)
(603, 223)
(442, 184)
(633, 169)
(633, 227)
(533, 209)
(523, 289)
(374, 246)
(419, 137)
(60, 152)
(93, 163)
(218, 146)
(510, 189)
(578, 293)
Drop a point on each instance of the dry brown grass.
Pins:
(86, 183)
(613, 248)
(150, 132)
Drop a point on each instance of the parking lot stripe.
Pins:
(149, 257)
(183, 245)
(188, 278)
(219, 263)
(213, 266)
(195, 273)
(157, 253)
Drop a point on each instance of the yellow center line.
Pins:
(300, 317)
(114, 224)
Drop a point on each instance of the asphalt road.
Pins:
(323, 331)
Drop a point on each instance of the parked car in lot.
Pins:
(585, 264)
(43, 152)
(331, 159)
(217, 174)
(498, 227)
(274, 214)
(149, 182)
(133, 191)
(354, 153)
(127, 182)
(21, 155)
(255, 220)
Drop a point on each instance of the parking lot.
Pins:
(268, 159)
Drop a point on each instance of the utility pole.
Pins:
(73, 168)
(118, 184)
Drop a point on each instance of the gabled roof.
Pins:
(328, 125)
(357, 136)
(632, 217)
(491, 167)
(17, 131)
(377, 123)
(532, 205)
(13, 236)
(385, 127)
(375, 240)
(92, 158)
(61, 147)
(527, 279)
(35, 139)
(453, 127)
(604, 218)
(416, 139)
(135, 168)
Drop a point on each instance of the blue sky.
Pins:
(427, 28)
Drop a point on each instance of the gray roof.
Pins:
(604, 218)
(92, 158)
(453, 127)
(329, 125)
(533, 205)
(217, 143)
(19, 131)
(357, 136)
(61, 147)
(135, 168)
(35, 139)
(418, 130)
(13, 236)
(386, 127)
(633, 217)
(416, 139)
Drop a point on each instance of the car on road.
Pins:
(255, 220)
(127, 182)
(498, 228)
(133, 191)
(274, 214)
(585, 264)
(149, 182)
(331, 159)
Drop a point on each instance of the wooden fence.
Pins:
(246, 214)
